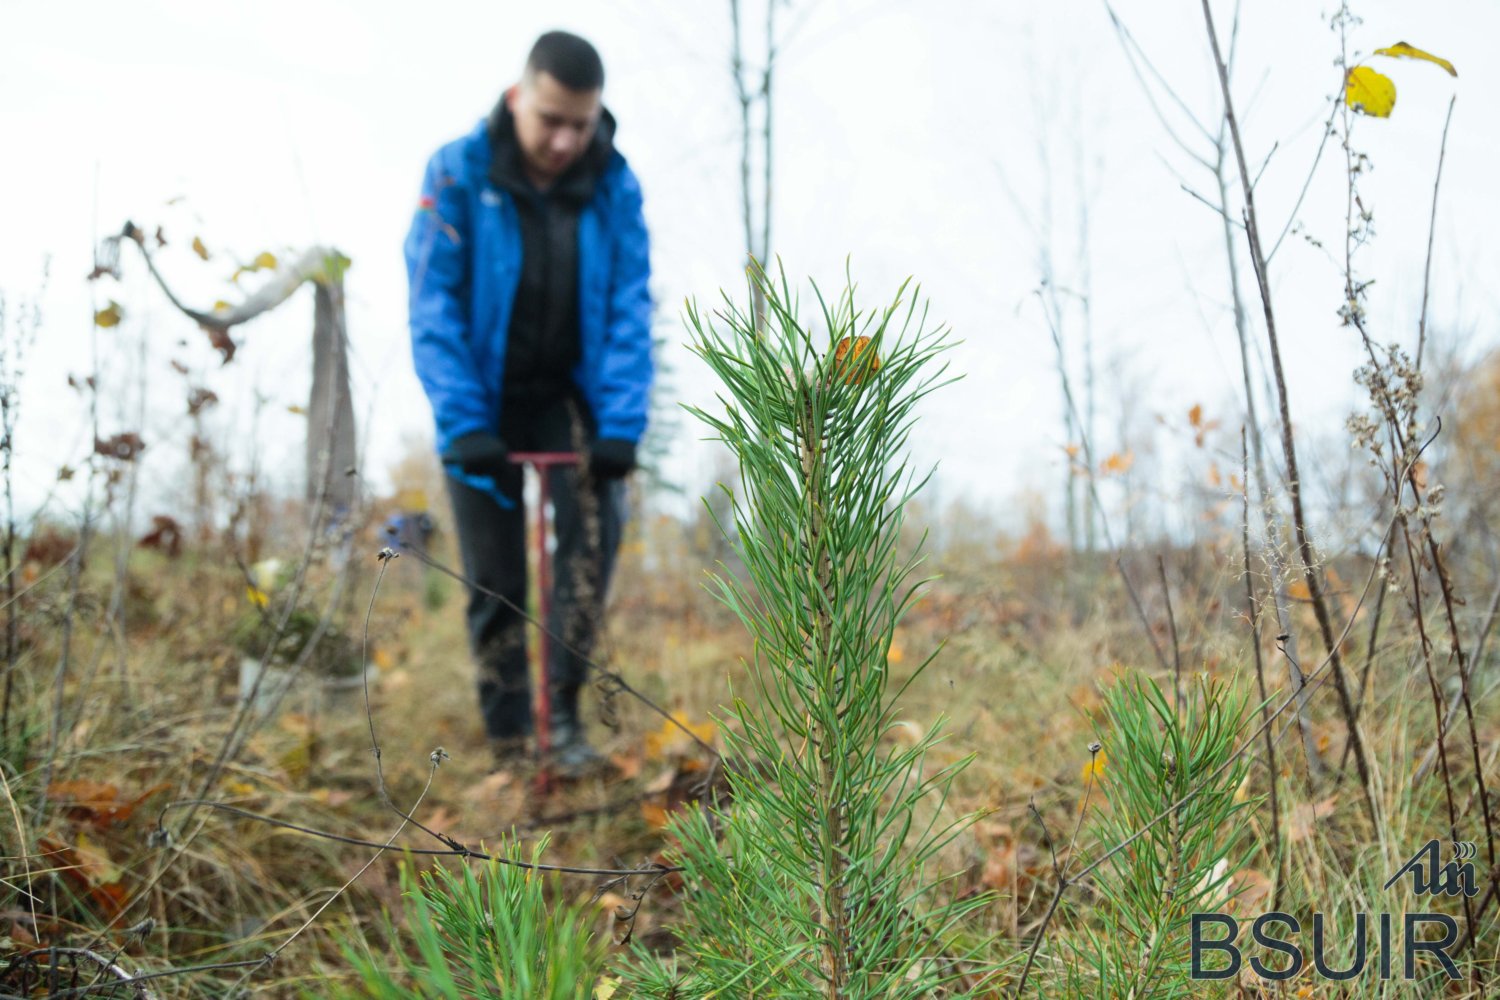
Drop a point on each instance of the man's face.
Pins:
(554, 125)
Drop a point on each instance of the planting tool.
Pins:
(542, 462)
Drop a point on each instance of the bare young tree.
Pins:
(1065, 294)
(1209, 148)
(754, 89)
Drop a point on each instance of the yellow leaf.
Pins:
(671, 741)
(1412, 52)
(606, 987)
(199, 248)
(264, 260)
(1195, 415)
(1119, 462)
(1369, 92)
(95, 862)
(109, 315)
(257, 596)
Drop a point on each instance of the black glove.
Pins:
(478, 454)
(611, 458)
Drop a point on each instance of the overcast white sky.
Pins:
(907, 138)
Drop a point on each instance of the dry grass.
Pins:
(1024, 658)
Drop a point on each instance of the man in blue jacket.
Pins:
(530, 320)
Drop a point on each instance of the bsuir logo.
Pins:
(1428, 878)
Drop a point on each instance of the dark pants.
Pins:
(492, 539)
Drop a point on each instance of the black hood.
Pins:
(576, 185)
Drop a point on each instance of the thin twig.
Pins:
(188, 970)
(1145, 621)
(1431, 233)
(105, 965)
(1456, 701)
(1254, 612)
(1294, 484)
(1062, 887)
(391, 840)
(1166, 592)
(452, 847)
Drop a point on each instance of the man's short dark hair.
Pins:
(568, 59)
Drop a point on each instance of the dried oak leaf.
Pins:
(200, 399)
(124, 446)
(219, 337)
(165, 536)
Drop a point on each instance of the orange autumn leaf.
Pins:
(1118, 463)
(440, 819)
(1303, 818)
(1248, 891)
(89, 867)
(627, 765)
(847, 361)
(999, 873)
(1200, 426)
(655, 815)
(82, 792)
(97, 803)
(669, 740)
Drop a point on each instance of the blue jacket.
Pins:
(463, 261)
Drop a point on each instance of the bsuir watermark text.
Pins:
(1276, 931)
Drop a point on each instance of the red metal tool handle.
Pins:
(542, 462)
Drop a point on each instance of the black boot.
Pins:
(572, 756)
